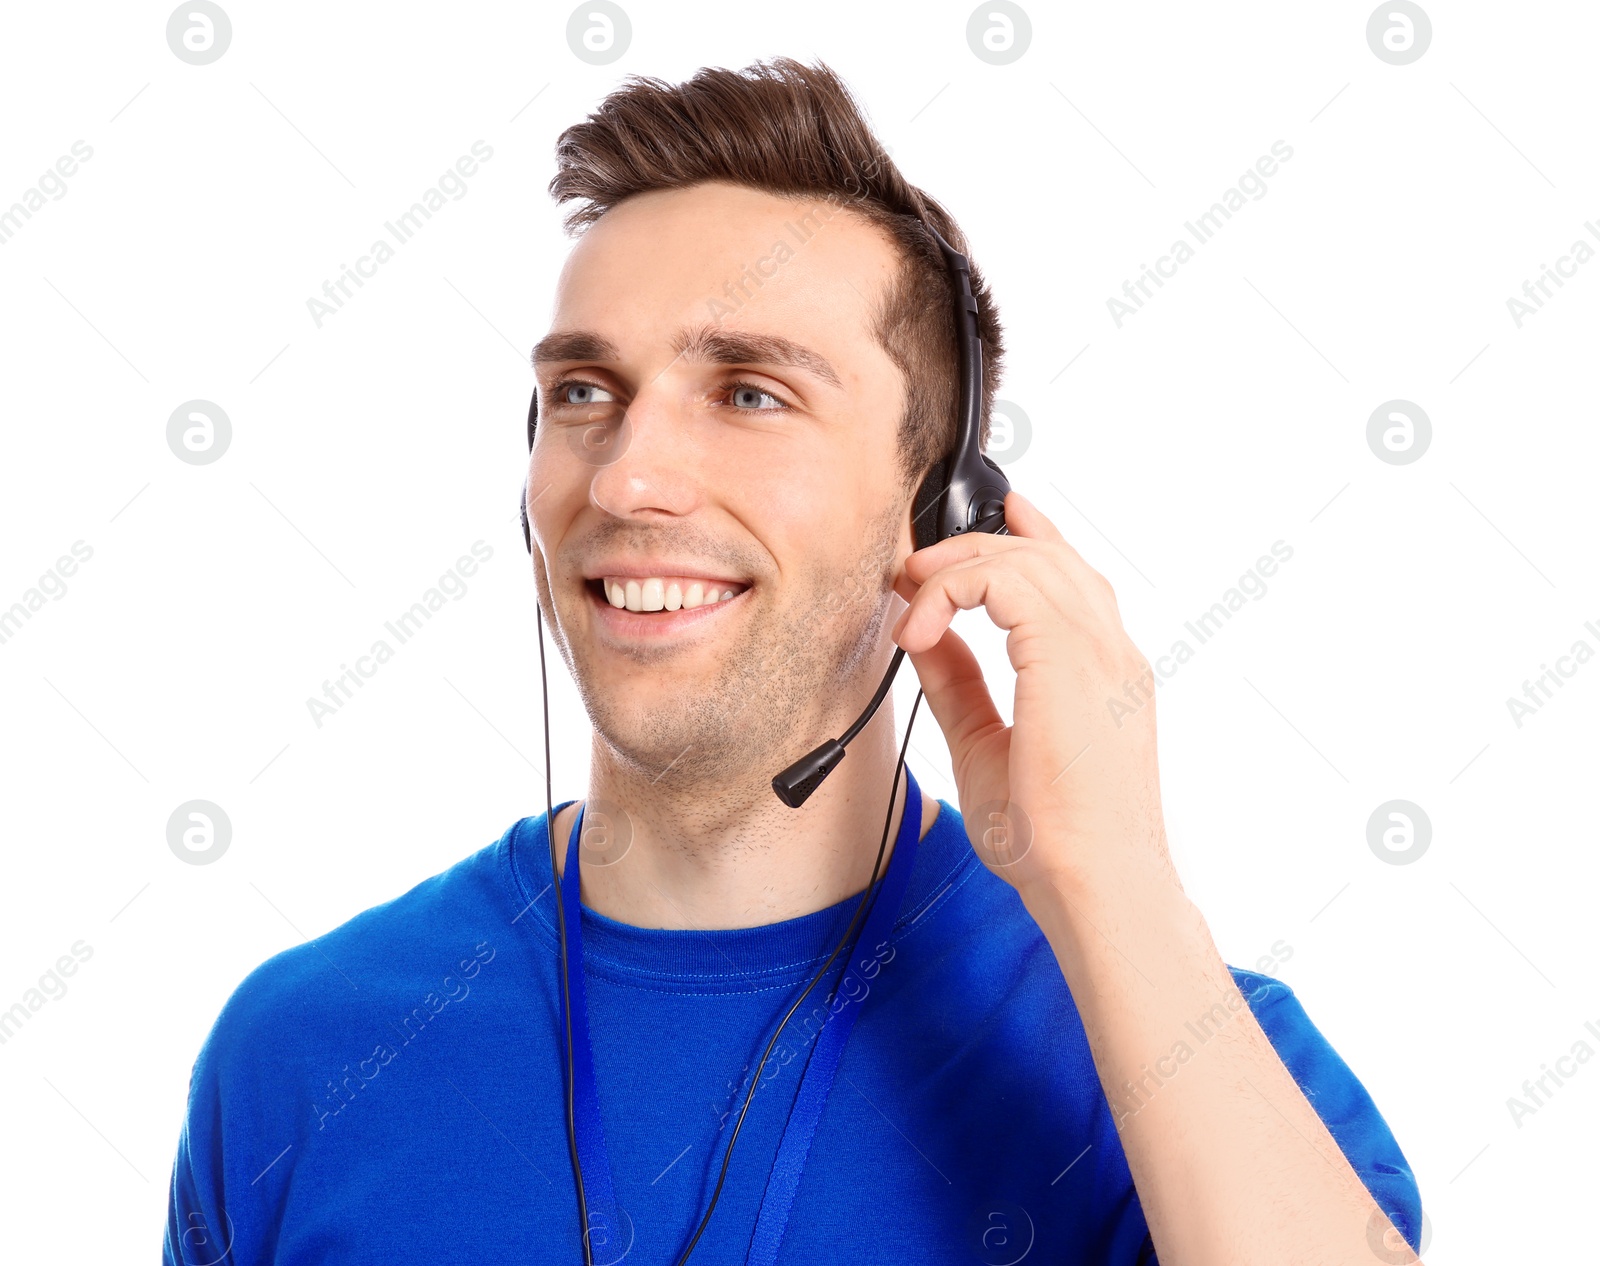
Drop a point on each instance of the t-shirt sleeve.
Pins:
(1339, 1099)
(196, 1233)
(237, 1140)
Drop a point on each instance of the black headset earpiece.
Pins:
(533, 422)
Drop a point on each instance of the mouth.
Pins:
(666, 594)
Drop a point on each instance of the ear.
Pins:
(925, 506)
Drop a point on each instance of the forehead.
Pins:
(729, 256)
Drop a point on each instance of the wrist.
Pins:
(1135, 897)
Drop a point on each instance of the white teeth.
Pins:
(661, 593)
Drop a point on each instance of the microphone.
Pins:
(795, 784)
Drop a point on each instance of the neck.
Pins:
(737, 856)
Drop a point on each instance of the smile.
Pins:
(665, 593)
(658, 606)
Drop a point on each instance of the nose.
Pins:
(644, 462)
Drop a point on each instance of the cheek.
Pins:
(798, 515)
(558, 490)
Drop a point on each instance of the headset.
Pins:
(962, 492)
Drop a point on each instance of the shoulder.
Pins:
(1322, 1074)
(1339, 1098)
(305, 996)
(276, 1063)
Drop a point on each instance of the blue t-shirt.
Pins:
(392, 1091)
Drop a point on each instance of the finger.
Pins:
(1026, 520)
(1069, 584)
(922, 563)
(964, 551)
(1028, 523)
(957, 694)
(1030, 516)
(1008, 596)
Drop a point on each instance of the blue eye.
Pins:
(582, 393)
(748, 396)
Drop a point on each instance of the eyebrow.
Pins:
(573, 345)
(705, 345)
(721, 347)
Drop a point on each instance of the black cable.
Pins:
(561, 923)
(872, 708)
(862, 909)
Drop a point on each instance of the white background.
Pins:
(1230, 413)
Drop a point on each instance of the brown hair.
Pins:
(794, 130)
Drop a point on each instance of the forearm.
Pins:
(1232, 1164)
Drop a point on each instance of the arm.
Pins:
(1232, 1164)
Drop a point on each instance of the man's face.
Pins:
(716, 415)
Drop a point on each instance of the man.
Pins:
(1046, 1056)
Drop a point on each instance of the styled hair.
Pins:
(795, 130)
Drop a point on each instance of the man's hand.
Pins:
(1068, 795)
(1232, 1164)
